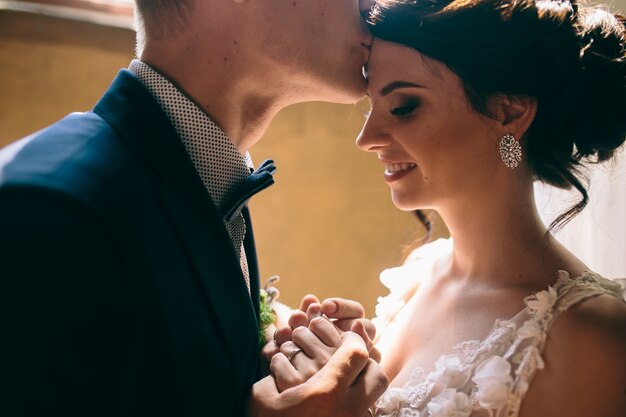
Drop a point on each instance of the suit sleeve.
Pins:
(66, 310)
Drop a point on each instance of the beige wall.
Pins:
(327, 227)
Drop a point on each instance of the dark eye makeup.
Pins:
(407, 107)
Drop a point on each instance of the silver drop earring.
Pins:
(510, 151)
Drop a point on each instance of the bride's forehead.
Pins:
(390, 61)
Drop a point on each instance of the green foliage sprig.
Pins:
(266, 312)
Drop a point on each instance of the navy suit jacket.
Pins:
(120, 291)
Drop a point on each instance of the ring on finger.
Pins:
(293, 353)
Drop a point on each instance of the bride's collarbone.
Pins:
(434, 325)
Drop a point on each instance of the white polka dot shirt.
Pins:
(222, 168)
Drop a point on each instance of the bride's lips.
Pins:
(394, 171)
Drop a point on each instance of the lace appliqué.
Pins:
(488, 377)
(544, 307)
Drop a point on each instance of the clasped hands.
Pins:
(323, 363)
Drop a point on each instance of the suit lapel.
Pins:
(134, 113)
(253, 266)
(212, 254)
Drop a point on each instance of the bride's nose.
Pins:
(372, 137)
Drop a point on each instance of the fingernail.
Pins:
(330, 306)
(315, 310)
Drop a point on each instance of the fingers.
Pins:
(371, 384)
(285, 375)
(269, 350)
(375, 355)
(299, 359)
(346, 363)
(340, 308)
(307, 301)
(325, 331)
(364, 328)
(314, 310)
(309, 308)
(318, 343)
(348, 383)
(302, 318)
(305, 365)
(359, 328)
(347, 324)
(264, 393)
(370, 329)
(298, 319)
(282, 335)
(312, 345)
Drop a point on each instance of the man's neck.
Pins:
(236, 95)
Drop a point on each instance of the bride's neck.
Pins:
(501, 242)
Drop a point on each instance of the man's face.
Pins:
(321, 44)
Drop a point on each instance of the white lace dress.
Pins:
(478, 378)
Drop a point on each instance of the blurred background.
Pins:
(327, 227)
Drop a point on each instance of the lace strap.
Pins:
(545, 307)
(588, 285)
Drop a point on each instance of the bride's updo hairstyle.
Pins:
(571, 59)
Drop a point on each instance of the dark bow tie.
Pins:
(258, 181)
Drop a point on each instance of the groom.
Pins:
(128, 275)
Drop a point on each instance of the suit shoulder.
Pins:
(80, 154)
(53, 144)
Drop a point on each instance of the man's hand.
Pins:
(345, 386)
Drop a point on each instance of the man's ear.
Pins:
(515, 113)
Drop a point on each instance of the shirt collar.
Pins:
(219, 163)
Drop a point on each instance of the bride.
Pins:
(471, 102)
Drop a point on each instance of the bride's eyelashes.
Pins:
(406, 108)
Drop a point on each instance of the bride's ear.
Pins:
(514, 113)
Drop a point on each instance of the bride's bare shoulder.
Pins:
(585, 363)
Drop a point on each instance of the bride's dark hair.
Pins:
(571, 59)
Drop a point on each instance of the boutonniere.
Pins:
(267, 296)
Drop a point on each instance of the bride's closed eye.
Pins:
(407, 108)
